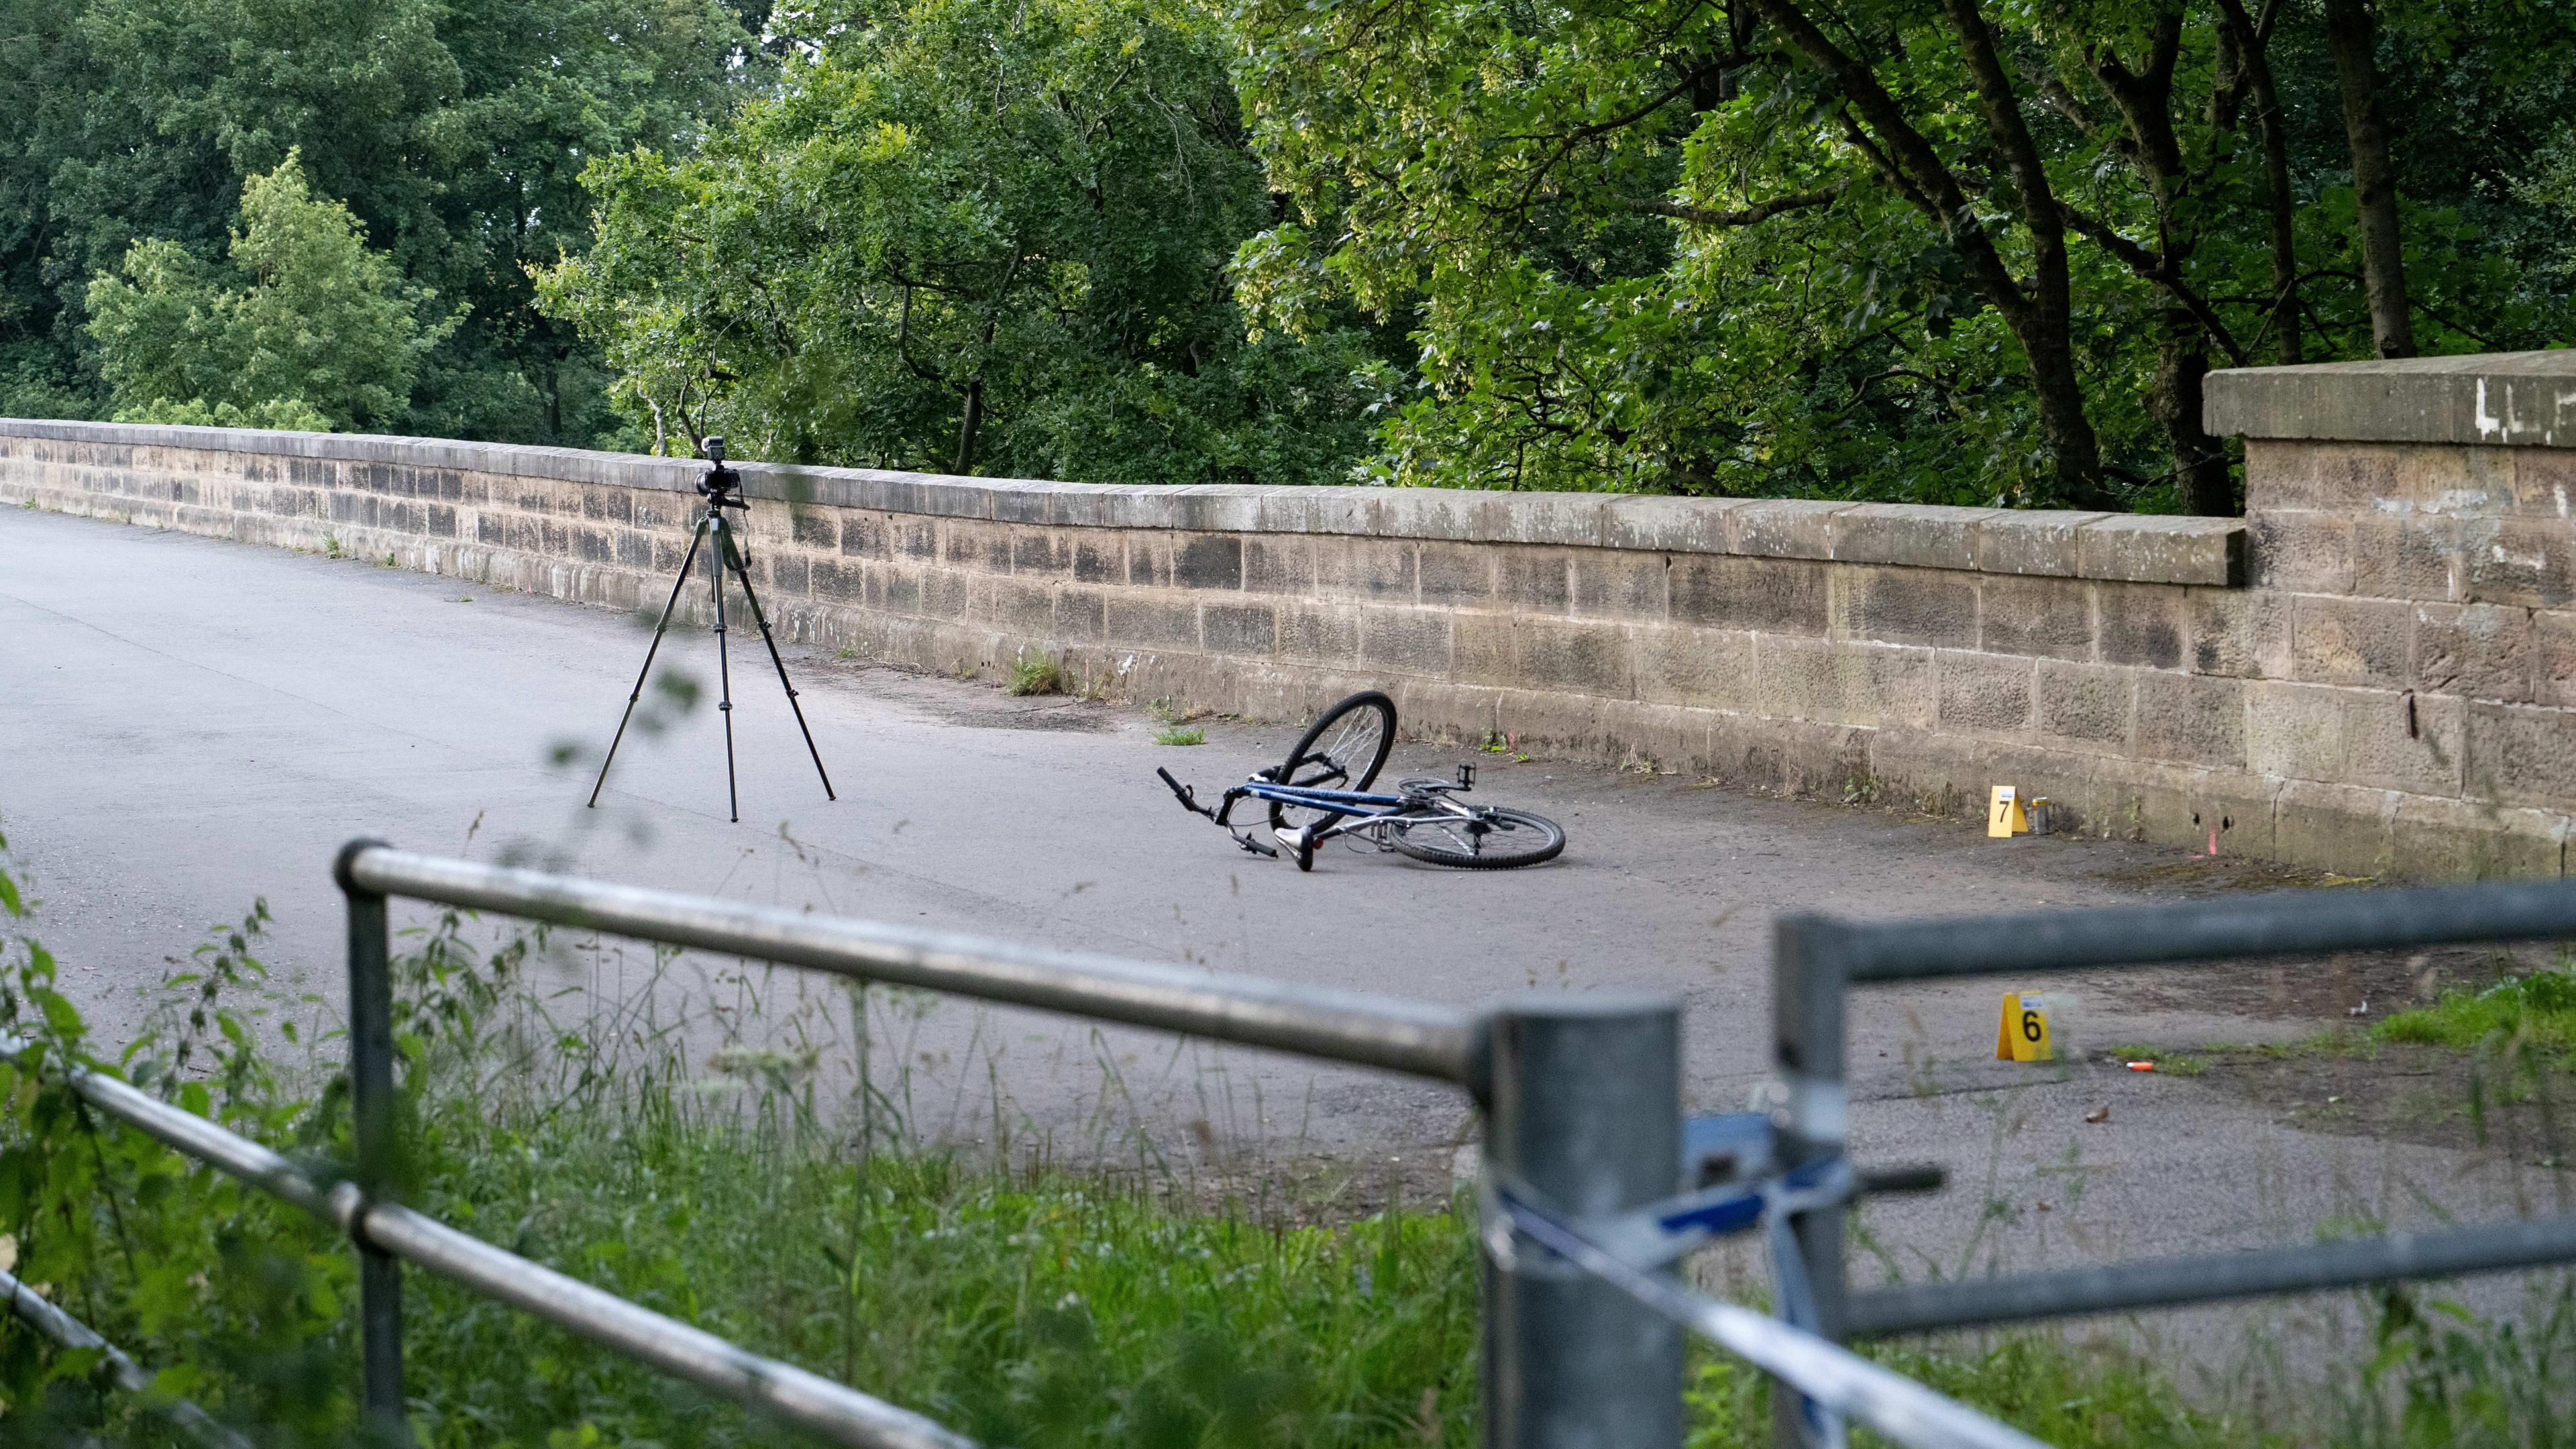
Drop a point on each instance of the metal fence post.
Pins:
(1584, 1114)
(371, 1102)
(1808, 978)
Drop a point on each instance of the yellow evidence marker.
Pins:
(2022, 1033)
(2005, 817)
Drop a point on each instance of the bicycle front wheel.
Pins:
(1342, 751)
(1481, 838)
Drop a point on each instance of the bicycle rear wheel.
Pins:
(1344, 750)
(1478, 838)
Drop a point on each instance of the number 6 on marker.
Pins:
(2021, 1033)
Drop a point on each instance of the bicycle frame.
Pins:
(1362, 811)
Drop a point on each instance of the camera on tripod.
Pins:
(722, 487)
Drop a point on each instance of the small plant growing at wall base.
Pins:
(1037, 674)
(331, 546)
(1181, 735)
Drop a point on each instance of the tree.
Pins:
(969, 234)
(305, 326)
(455, 130)
(1954, 251)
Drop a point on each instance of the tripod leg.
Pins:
(724, 671)
(744, 575)
(695, 536)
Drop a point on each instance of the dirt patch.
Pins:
(2465, 1101)
(2351, 986)
(1077, 717)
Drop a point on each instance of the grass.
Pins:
(2536, 1013)
(2167, 1060)
(1022, 1302)
(1180, 735)
(1036, 674)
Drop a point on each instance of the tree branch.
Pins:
(1754, 215)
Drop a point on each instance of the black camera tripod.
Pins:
(722, 490)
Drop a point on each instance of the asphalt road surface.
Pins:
(188, 724)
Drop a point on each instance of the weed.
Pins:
(1035, 673)
(1181, 735)
(846, 652)
(1175, 714)
(331, 546)
(389, 561)
(2535, 1012)
(2171, 1063)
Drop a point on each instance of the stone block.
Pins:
(1408, 641)
(1582, 657)
(2366, 737)
(2030, 541)
(2045, 616)
(2139, 624)
(2137, 548)
(1041, 553)
(1364, 568)
(1530, 580)
(915, 537)
(2196, 719)
(1843, 683)
(2522, 754)
(2407, 556)
(1015, 606)
(1081, 615)
(2352, 641)
(2302, 552)
(1915, 535)
(1906, 606)
(1485, 649)
(2242, 633)
(1616, 584)
(1675, 664)
(1321, 634)
(2523, 561)
(1149, 558)
(1238, 629)
(1208, 561)
(1773, 595)
(1782, 527)
(2481, 651)
(2341, 828)
(1275, 565)
(2435, 839)
(2084, 704)
(1151, 622)
(1682, 525)
(1454, 575)
(1571, 519)
(1099, 558)
(2554, 657)
(893, 590)
(811, 526)
(1983, 693)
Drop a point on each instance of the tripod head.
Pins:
(722, 487)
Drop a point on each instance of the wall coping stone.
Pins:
(2519, 399)
(2129, 547)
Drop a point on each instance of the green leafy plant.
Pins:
(1181, 735)
(1036, 674)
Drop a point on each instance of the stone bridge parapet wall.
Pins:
(2371, 674)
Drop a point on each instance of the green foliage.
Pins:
(974, 234)
(1763, 248)
(322, 330)
(1181, 735)
(2535, 1013)
(454, 130)
(1036, 674)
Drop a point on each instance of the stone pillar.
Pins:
(2412, 556)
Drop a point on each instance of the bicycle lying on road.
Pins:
(1322, 793)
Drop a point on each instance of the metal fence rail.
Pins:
(1816, 960)
(114, 1364)
(1581, 1100)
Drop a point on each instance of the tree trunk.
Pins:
(2046, 326)
(2254, 53)
(969, 425)
(2374, 180)
(2200, 461)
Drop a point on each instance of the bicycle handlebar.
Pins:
(1189, 799)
